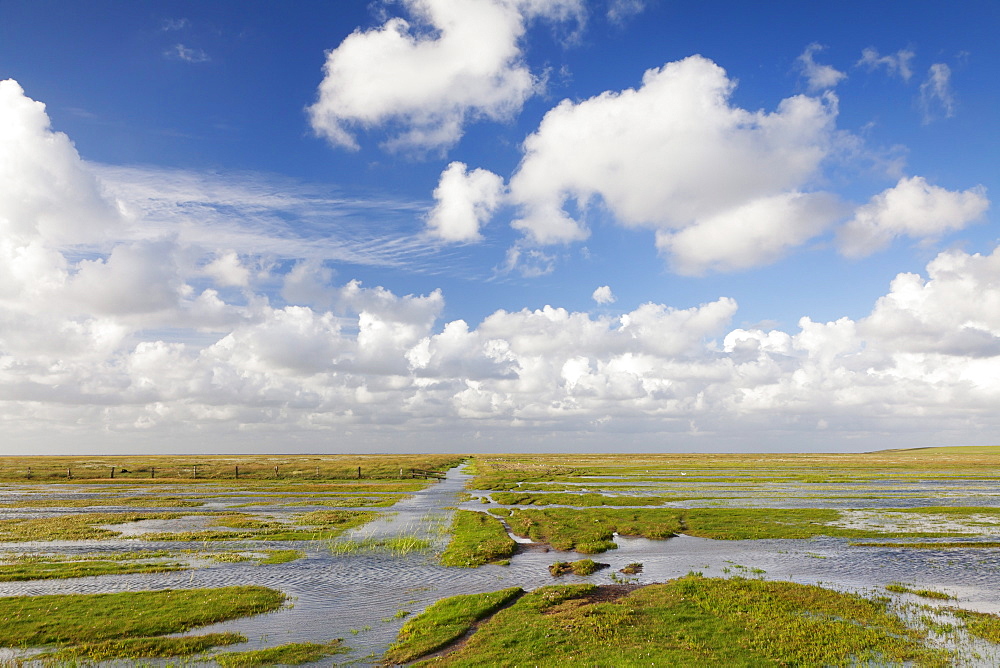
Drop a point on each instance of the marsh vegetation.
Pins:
(477, 539)
(920, 528)
(695, 621)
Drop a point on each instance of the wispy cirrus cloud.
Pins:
(897, 64)
(272, 215)
(818, 76)
(171, 24)
(937, 98)
(186, 54)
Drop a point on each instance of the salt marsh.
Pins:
(363, 595)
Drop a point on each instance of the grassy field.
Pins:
(72, 619)
(694, 621)
(207, 467)
(557, 470)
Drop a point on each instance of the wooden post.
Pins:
(275, 471)
(237, 471)
(195, 471)
(69, 473)
(112, 472)
(359, 473)
(152, 471)
(400, 474)
(317, 472)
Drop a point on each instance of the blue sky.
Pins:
(498, 224)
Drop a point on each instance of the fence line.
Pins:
(205, 472)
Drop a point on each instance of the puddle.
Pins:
(176, 525)
(988, 525)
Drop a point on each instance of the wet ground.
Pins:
(362, 597)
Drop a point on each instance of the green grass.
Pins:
(269, 556)
(291, 469)
(696, 621)
(477, 539)
(315, 525)
(900, 588)
(581, 500)
(758, 523)
(77, 526)
(281, 556)
(947, 510)
(591, 531)
(130, 502)
(395, 545)
(352, 502)
(580, 567)
(80, 568)
(990, 544)
(445, 622)
(980, 624)
(291, 654)
(146, 648)
(32, 621)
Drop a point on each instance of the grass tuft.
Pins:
(445, 622)
(477, 539)
(147, 648)
(581, 567)
(291, 654)
(900, 588)
(33, 621)
(397, 546)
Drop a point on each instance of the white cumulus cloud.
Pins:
(113, 336)
(913, 208)
(675, 156)
(465, 201)
(603, 295)
(453, 62)
(758, 232)
(46, 192)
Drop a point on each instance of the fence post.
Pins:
(275, 471)
(237, 471)
(69, 473)
(152, 471)
(195, 471)
(359, 473)
(112, 472)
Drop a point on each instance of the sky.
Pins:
(498, 226)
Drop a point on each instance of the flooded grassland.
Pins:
(308, 560)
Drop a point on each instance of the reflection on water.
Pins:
(357, 596)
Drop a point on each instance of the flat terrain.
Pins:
(672, 559)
